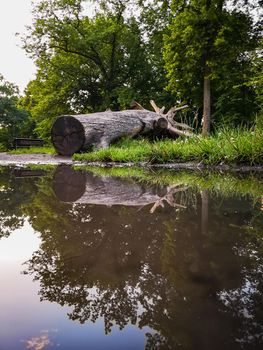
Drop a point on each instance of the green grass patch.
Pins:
(33, 150)
(227, 146)
(124, 151)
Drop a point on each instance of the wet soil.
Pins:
(49, 159)
(23, 159)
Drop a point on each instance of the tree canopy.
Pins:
(94, 55)
(14, 121)
(212, 40)
(86, 64)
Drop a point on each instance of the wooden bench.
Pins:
(24, 142)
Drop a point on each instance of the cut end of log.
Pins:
(67, 135)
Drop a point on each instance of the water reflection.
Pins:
(182, 260)
(14, 193)
(84, 187)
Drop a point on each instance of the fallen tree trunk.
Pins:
(74, 133)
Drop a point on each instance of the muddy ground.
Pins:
(27, 159)
(24, 159)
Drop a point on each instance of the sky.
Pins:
(15, 66)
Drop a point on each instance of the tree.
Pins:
(154, 19)
(85, 64)
(207, 55)
(257, 76)
(14, 121)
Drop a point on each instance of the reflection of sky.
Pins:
(25, 323)
(19, 246)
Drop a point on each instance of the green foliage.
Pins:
(227, 146)
(155, 17)
(131, 50)
(213, 36)
(85, 64)
(3, 148)
(14, 121)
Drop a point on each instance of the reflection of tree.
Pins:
(14, 193)
(158, 270)
(245, 301)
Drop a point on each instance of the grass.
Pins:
(227, 146)
(34, 150)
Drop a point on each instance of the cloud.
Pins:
(38, 343)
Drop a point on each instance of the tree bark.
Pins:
(74, 133)
(206, 103)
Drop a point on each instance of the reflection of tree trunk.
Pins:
(206, 103)
(205, 206)
(68, 184)
(84, 187)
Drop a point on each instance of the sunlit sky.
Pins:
(15, 66)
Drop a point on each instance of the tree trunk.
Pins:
(71, 134)
(206, 103)
(74, 133)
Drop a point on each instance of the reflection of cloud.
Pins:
(38, 343)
